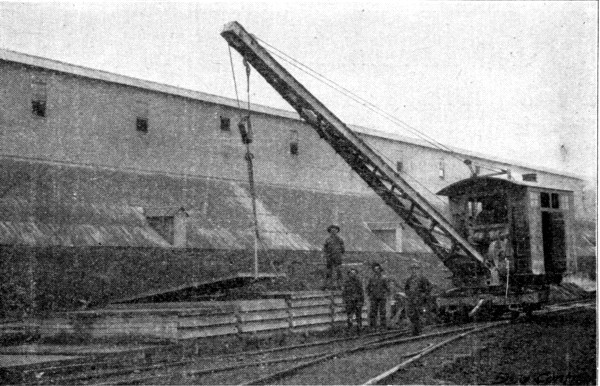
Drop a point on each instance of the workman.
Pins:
(354, 298)
(417, 291)
(378, 290)
(333, 251)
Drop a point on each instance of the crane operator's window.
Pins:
(545, 200)
(488, 210)
(555, 201)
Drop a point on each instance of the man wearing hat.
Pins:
(333, 251)
(417, 290)
(353, 297)
(378, 290)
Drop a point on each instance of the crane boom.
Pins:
(464, 261)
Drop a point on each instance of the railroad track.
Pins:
(277, 365)
(115, 373)
(470, 345)
(370, 358)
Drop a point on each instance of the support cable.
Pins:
(237, 98)
(370, 106)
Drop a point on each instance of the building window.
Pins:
(545, 200)
(294, 142)
(38, 99)
(442, 170)
(530, 177)
(399, 166)
(141, 120)
(555, 200)
(389, 233)
(225, 123)
(141, 124)
(170, 223)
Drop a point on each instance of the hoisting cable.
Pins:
(249, 156)
(245, 128)
(507, 276)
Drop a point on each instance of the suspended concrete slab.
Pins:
(200, 290)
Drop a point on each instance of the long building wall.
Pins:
(93, 122)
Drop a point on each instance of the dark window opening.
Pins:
(141, 124)
(294, 140)
(38, 108)
(555, 200)
(399, 166)
(225, 124)
(545, 200)
(531, 177)
(487, 210)
(38, 99)
(294, 148)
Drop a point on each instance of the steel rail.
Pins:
(386, 338)
(388, 373)
(381, 335)
(273, 377)
(563, 308)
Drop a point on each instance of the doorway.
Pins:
(553, 240)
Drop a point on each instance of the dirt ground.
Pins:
(547, 350)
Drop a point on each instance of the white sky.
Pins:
(512, 79)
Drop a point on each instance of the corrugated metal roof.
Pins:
(82, 225)
(108, 207)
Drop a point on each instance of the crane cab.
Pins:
(524, 229)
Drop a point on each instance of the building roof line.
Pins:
(468, 153)
(87, 72)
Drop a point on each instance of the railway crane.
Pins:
(476, 277)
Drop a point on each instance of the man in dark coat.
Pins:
(354, 298)
(417, 290)
(333, 251)
(378, 290)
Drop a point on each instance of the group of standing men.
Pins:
(417, 287)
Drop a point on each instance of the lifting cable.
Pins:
(245, 127)
(370, 106)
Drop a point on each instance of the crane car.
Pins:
(480, 282)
